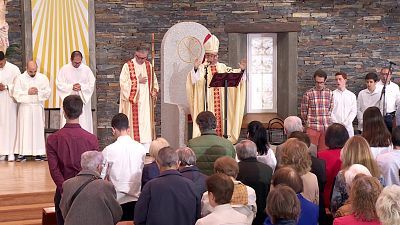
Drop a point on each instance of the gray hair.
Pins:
(291, 124)
(90, 160)
(388, 205)
(186, 156)
(246, 149)
(352, 172)
(167, 157)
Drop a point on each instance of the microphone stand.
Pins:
(383, 93)
(205, 88)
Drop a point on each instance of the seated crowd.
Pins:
(354, 181)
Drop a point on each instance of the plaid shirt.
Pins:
(316, 108)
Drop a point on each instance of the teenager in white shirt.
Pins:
(127, 158)
(368, 97)
(344, 105)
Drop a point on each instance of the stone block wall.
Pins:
(14, 19)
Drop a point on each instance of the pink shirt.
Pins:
(351, 220)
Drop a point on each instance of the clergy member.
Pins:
(139, 89)
(8, 108)
(215, 96)
(76, 78)
(31, 89)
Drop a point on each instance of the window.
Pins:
(262, 73)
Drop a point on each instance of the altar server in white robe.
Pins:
(31, 89)
(8, 107)
(344, 105)
(76, 78)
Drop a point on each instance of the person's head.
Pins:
(374, 128)
(288, 176)
(282, 203)
(295, 153)
(72, 106)
(336, 136)
(292, 124)
(320, 79)
(220, 189)
(388, 205)
(76, 59)
(396, 137)
(301, 136)
(353, 171)
(341, 80)
(363, 195)
(257, 133)
(31, 68)
(141, 54)
(3, 59)
(119, 124)
(206, 121)
(227, 166)
(385, 74)
(357, 151)
(156, 145)
(92, 160)
(167, 159)
(246, 149)
(186, 156)
(211, 50)
(370, 81)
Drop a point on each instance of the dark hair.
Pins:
(343, 74)
(72, 106)
(372, 76)
(282, 203)
(258, 134)
(120, 122)
(206, 121)
(167, 157)
(396, 136)
(301, 136)
(2, 55)
(288, 176)
(374, 128)
(320, 73)
(75, 54)
(221, 186)
(336, 136)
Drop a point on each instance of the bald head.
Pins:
(31, 68)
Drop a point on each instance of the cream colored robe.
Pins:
(236, 100)
(142, 98)
(66, 78)
(8, 109)
(31, 122)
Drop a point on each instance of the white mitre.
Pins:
(212, 44)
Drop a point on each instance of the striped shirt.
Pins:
(316, 108)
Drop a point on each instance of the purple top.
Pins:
(64, 149)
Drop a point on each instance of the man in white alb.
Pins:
(127, 158)
(139, 88)
(31, 89)
(76, 78)
(8, 108)
(368, 97)
(344, 104)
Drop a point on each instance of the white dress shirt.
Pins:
(344, 109)
(222, 215)
(389, 164)
(367, 99)
(392, 94)
(127, 157)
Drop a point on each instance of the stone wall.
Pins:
(14, 19)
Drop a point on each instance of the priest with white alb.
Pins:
(8, 108)
(31, 89)
(76, 78)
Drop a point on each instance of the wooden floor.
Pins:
(25, 177)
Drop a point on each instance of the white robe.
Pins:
(8, 109)
(66, 78)
(30, 122)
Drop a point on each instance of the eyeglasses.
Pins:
(142, 58)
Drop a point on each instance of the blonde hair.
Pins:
(357, 151)
(156, 145)
(388, 205)
(295, 153)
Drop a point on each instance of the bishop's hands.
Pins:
(76, 87)
(2, 87)
(32, 91)
(243, 64)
